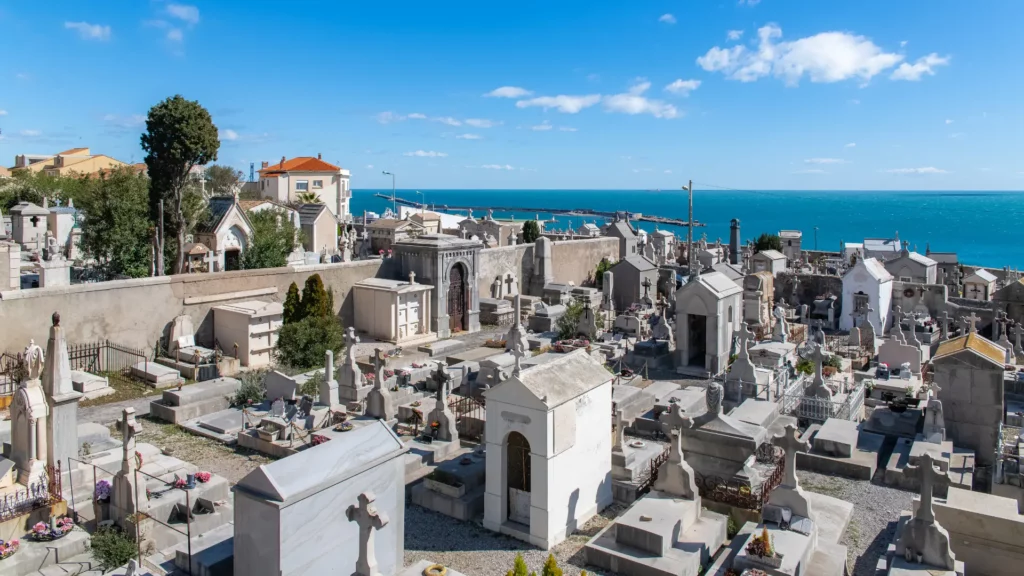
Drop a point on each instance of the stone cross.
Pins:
(791, 442)
(378, 368)
(350, 342)
(944, 322)
(369, 519)
(928, 476)
(412, 277)
(745, 338)
(897, 326)
(912, 322)
(129, 428)
(672, 422)
(972, 322)
(647, 286)
(620, 431)
(509, 280)
(441, 378)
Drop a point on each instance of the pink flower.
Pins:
(39, 528)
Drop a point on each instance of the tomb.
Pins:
(867, 286)
(91, 386)
(359, 498)
(771, 261)
(546, 318)
(631, 275)
(496, 312)
(548, 472)
(352, 385)
(199, 399)
(839, 447)
(156, 375)
(758, 297)
(980, 285)
(986, 532)
(448, 264)
(745, 379)
(251, 326)
(395, 311)
(708, 310)
(28, 226)
(30, 429)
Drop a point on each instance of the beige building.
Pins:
(252, 326)
(384, 232)
(492, 232)
(980, 285)
(285, 181)
(393, 310)
(80, 161)
(319, 229)
(4, 172)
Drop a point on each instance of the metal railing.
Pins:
(814, 409)
(106, 357)
(739, 494)
(45, 490)
(470, 416)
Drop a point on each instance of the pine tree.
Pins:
(315, 300)
(551, 567)
(292, 305)
(519, 566)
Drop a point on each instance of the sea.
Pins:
(981, 227)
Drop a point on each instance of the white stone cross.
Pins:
(945, 325)
(510, 280)
(672, 420)
(350, 341)
(745, 337)
(378, 368)
(972, 321)
(791, 442)
(441, 378)
(366, 515)
(928, 476)
(412, 277)
(129, 428)
(912, 322)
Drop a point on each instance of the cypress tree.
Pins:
(292, 305)
(315, 300)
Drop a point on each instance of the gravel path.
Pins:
(876, 509)
(107, 414)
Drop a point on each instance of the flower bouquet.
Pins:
(761, 550)
(42, 532)
(203, 477)
(180, 483)
(8, 548)
(102, 491)
(318, 439)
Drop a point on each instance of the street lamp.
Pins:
(423, 201)
(394, 202)
(815, 238)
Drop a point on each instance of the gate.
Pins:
(456, 298)
(470, 416)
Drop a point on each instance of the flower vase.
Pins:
(190, 481)
(768, 561)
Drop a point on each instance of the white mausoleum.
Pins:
(393, 310)
(867, 283)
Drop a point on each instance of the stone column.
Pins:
(62, 399)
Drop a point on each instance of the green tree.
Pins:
(308, 198)
(551, 567)
(302, 344)
(116, 230)
(273, 238)
(567, 322)
(316, 301)
(768, 241)
(292, 305)
(531, 231)
(519, 567)
(25, 186)
(179, 136)
(223, 180)
(603, 266)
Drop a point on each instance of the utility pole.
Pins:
(689, 232)
(160, 244)
(815, 238)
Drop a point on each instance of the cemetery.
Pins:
(660, 422)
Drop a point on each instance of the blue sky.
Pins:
(770, 94)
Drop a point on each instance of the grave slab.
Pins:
(860, 465)
(222, 426)
(443, 347)
(836, 438)
(156, 375)
(178, 406)
(472, 355)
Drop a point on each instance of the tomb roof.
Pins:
(973, 342)
(620, 228)
(732, 271)
(943, 257)
(921, 259)
(320, 467)
(873, 267)
(790, 234)
(439, 241)
(218, 208)
(310, 213)
(392, 285)
(882, 244)
(771, 254)
(719, 284)
(29, 209)
(641, 263)
(392, 224)
(981, 274)
(555, 382)
(255, 308)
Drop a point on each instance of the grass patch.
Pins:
(189, 447)
(112, 547)
(123, 391)
(827, 488)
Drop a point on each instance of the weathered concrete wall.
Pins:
(573, 261)
(810, 287)
(137, 312)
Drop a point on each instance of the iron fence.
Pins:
(107, 358)
(814, 409)
(12, 370)
(740, 494)
(470, 416)
(649, 475)
(44, 490)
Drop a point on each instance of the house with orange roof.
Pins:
(286, 180)
(76, 161)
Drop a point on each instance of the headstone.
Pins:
(789, 494)
(277, 408)
(352, 385)
(607, 287)
(328, 392)
(817, 388)
(378, 402)
(442, 414)
(922, 535)
(62, 422)
(543, 271)
(369, 520)
(972, 322)
(944, 325)
(934, 430)
(912, 328)
(123, 504)
(675, 476)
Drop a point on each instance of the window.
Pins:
(302, 185)
(318, 183)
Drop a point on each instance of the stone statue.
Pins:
(713, 398)
(52, 248)
(35, 360)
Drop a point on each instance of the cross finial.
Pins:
(412, 277)
(791, 442)
(672, 423)
(365, 514)
(378, 368)
(972, 322)
(441, 379)
(929, 477)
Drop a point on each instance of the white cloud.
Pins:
(89, 31)
(566, 129)
(668, 171)
(683, 87)
(448, 120)
(750, 2)
(824, 57)
(184, 12)
(948, 121)
(508, 92)
(634, 102)
(3, 112)
(903, 43)
(914, 171)
(562, 103)
(369, 166)
(481, 122)
(469, 137)
(923, 65)
(417, 116)
(542, 127)
(811, 171)
(175, 35)
(825, 161)
(734, 35)
(389, 117)
(497, 167)
(851, 145)
(427, 154)
(228, 135)
(30, 133)
(667, 19)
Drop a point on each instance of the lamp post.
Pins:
(394, 202)
(815, 238)
(423, 201)
(689, 231)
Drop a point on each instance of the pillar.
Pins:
(734, 241)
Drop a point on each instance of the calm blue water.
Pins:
(982, 227)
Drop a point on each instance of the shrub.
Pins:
(551, 567)
(768, 242)
(834, 361)
(731, 529)
(805, 367)
(566, 324)
(519, 567)
(603, 266)
(311, 387)
(252, 390)
(316, 301)
(292, 305)
(113, 548)
(531, 231)
(303, 344)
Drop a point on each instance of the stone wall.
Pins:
(811, 287)
(138, 312)
(573, 261)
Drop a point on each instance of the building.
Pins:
(589, 230)
(447, 223)
(319, 229)
(385, 232)
(226, 232)
(493, 232)
(853, 251)
(28, 225)
(548, 470)
(257, 206)
(882, 249)
(631, 275)
(628, 240)
(866, 284)
(285, 181)
(769, 261)
(791, 244)
(980, 286)
(395, 311)
(449, 264)
(251, 326)
(76, 161)
(913, 267)
(709, 309)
